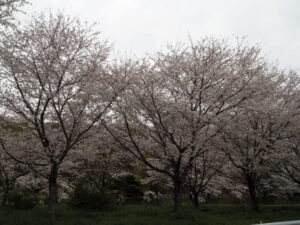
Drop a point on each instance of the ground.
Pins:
(152, 215)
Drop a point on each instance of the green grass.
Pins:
(152, 215)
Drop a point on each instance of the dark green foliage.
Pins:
(130, 187)
(22, 199)
(85, 197)
(145, 214)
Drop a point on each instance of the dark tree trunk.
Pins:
(177, 193)
(53, 190)
(5, 196)
(252, 195)
(103, 180)
(196, 199)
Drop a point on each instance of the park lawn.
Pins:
(143, 214)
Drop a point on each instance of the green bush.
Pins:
(130, 187)
(22, 199)
(88, 198)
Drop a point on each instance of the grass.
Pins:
(143, 214)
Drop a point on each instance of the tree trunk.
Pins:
(177, 194)
(53, 190)
(252, 195)
(196, 199)
(5, 196)
(103, 180)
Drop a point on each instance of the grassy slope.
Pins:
(152, 215)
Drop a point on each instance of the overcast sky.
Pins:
(138, 26)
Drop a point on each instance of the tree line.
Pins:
(201, 116)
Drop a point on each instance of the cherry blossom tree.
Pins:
(54, 80)
(157, 183)
(98, 161)
(8, 9)
(286, 163)
(276, 187)
(205, 175)
(172, 110)
(10, 173)
(10, 170)
(256, 128)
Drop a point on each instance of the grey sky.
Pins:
(139, 26)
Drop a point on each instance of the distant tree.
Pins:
(256, 129)
(10, 173)
(286, 161)
(99, 162)
(157, 183)
(205, 173)
(276, 187)
(10, 170)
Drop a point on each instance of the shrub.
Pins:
(86, 197)
(22, 199)
(130, 187)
